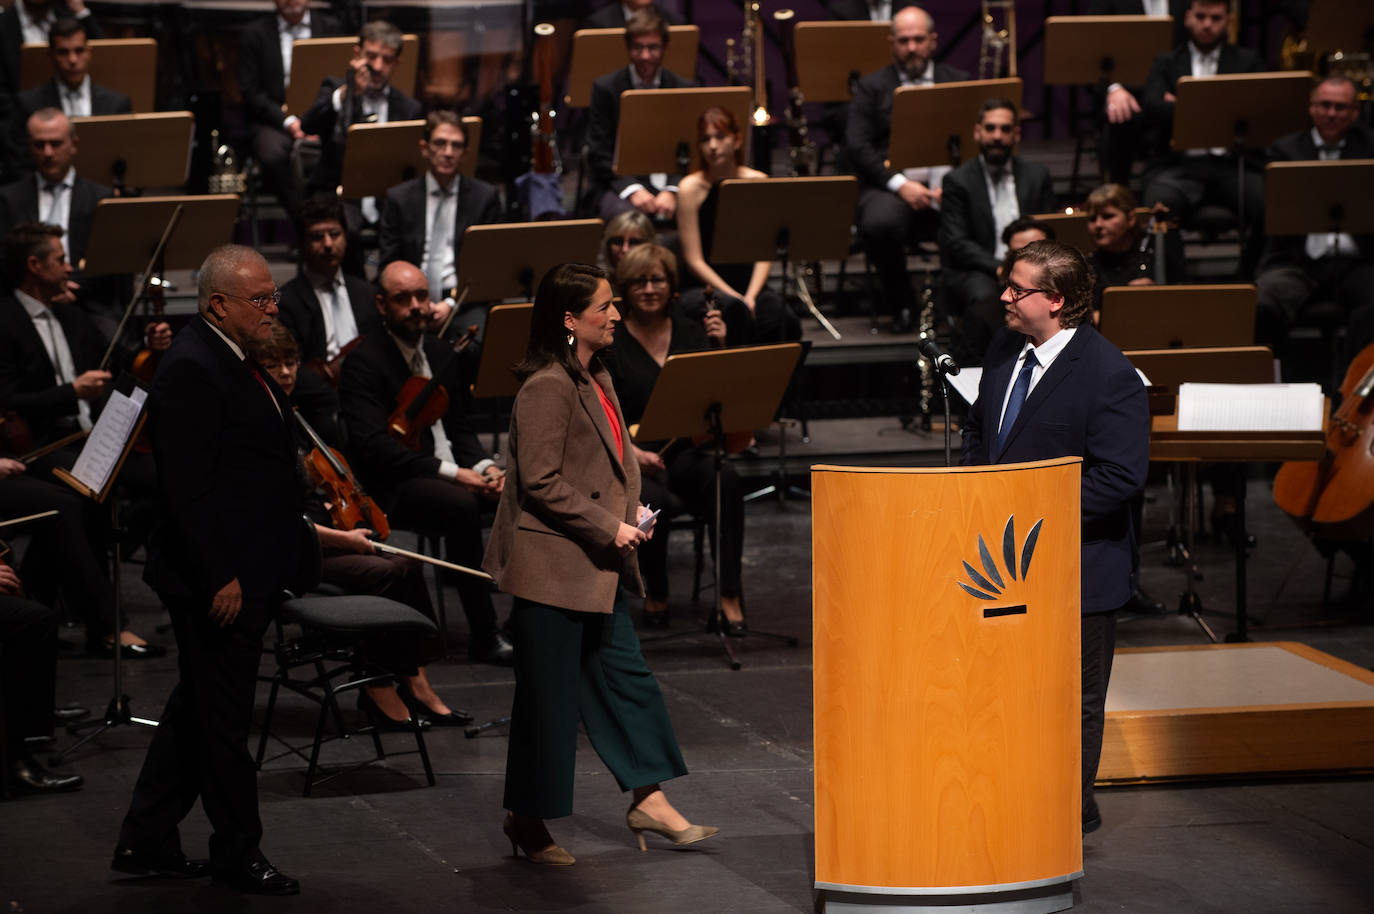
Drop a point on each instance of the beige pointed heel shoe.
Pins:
(640, 822)
(536, 843)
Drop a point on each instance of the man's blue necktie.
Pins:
(1019, 390)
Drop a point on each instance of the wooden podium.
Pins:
(947, 724)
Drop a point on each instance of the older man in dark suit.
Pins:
(981, 198)
(646, 40)
(896, 208)
(226, 455)
(1052, 386)
(1296, 270)
(437, 489)
(265, 50)
(423, 219)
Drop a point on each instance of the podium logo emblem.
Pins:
(989, 584)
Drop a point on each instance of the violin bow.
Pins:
(142, 286)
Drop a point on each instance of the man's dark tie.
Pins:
(1019, 390)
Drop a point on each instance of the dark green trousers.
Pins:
(569, 663)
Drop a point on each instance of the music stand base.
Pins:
(117, 714)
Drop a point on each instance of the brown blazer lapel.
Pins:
(592, 404)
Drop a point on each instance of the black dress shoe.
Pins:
(27, 775)
(1093, 824)
(736, 629)
(259, 878)
(172, 865)
(496, 650)
(456, 717)
(382, 721)
(69, 712)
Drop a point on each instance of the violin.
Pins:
(145, 362)
(1334, 497)
(330, 369)
(423, 401)
(348, 505)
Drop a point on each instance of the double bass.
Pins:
(1334, 497)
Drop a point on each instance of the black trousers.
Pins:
(272, 149)
(437, 507)
(1284, 289)
(887, 225)
(1098, 646)
(396, 578)
(28, 669)
(200, 747)
(569, 663)
(691, 481)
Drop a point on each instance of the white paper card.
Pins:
(108, 439)
(1250, 407)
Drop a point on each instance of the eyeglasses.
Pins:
(1018, 293)
(616, 241)
(262, 302)
(640, 282)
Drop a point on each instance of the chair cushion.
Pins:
(356, 614)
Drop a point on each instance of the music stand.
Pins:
(125, 231)
(128, 65)
(93, 476)
(596, 52)
(787, 219)
(1087, 50)
(933, 125)
(136, 150)
(507, 261)
(832, 56)
(315, 59)
(1239, 111)
(1333, 26)
(1174, 317)
(503, 347)
(658, 127)
(714, 394)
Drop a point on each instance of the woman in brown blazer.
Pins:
(563, 545)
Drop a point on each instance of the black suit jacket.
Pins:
(28, 380)
(373, 375)
(604, 121)
(1090, 404)
(104, 100)
(322, 119)
(612, 16)
(19, 203)
(262, 80)
(300, 312)
(1164, 76)
(402, 232)
(12, 37)
(228, 475)
(869, 126)
(968, 233)
(1298, 147)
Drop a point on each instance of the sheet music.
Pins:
(1250, 407)
(965, 383)
(108, 439)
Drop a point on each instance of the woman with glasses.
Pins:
(722, 156)
(623, 234)
(563, 545)
(676, 473)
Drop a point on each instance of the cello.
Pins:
(1334, 497)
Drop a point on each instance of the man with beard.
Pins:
(981, 198)
(896, 208)
(437, 489)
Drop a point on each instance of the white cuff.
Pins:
(286, 124)
(629, 192)
(480, 466)
(337, 98)
(1113, 87)
(896, 181)
(448, 470)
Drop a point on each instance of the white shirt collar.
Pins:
(1321, 144)
(83, 90)
(407, 351)
(30, 26)
(35, 308)
(228, 342)
(68, 180)
(1213, 55)
(432, 184)
(1049, 350)
(637, 83)
(927, 75)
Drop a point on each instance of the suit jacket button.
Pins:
(596, 495)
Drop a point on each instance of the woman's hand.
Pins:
(642, 512)
(748, 302)
(647, 460)
(628, 537)
(714, 324)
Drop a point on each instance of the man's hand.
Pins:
(1170, 97)
(294, 130)
(90, 385)
(9, 582)
(496, 477)
(224, 608)
(68, 295)
(647, 460)
(10, 468)
(475, 481)
(666, 203)
(356, 540)
(362, 73)
(438, 313)
(76, 7)
(916, 195)
(158, 336)
(1121, 105)
(644, 201)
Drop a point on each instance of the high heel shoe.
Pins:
(383, 721)
(640, 821)
(548, 855)
(456, 717)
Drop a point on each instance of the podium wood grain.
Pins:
(946, 741)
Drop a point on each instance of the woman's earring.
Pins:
(571, 340)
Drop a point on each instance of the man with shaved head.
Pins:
(437, 489)
(230, 543)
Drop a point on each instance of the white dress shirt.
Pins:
(55, 343)
(1005, 207)
(76, 102)
(879, 10)
(1045, 354)
(441, 217)
(55, 201)
(336, 311)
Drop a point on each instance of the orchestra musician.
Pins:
(1123, 254)
(232, 540)
(350, 562)
(70, 88)
(646, 41)
(895, 207)
(1052, 386)
(440, 488)
(616, 14)
(564, 546)
(623, 234)
(673, 473)
(722, 156)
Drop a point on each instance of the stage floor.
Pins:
(379, 840)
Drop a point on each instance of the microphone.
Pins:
(942, 360)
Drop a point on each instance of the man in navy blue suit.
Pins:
(1052, 386)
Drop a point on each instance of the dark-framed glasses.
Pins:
(640, 282)
(262, 302)
(1018, 293)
